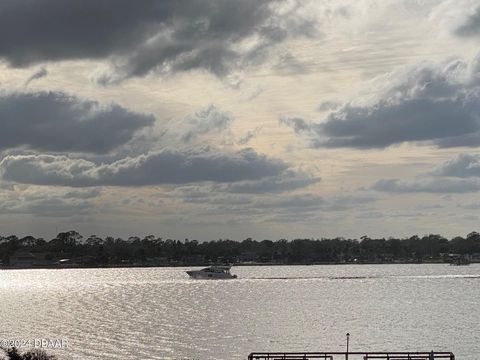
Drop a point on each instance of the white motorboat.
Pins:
(213, 273)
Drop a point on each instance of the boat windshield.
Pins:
(217, 270)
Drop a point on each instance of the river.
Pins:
(159, 313)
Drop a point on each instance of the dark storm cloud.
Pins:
(141, 36)
(435, 104)
(463, 166)
(471, 27)
(164, 167)
(411, 120)
(466, 140)
(59, 122)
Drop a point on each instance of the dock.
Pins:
(366, 355)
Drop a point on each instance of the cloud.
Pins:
(205, 195)
(249, 135)
(328, 105)
(462, 166)
(302, 202)
(55, 121)
(163, 167)
(42, 72)
(53, 207)
(254, 204)
(82, 194)
(411, 120)
(308, 202)
(168, 36)
(457, 175)
(305, 207)
(299, 125)
(470, 206)
(345, 202)
(253, 95)
(288, 64)
(52, 203)
(240, 195)
(437, 104)
(206, 121)
(434, 185)
(471, 26)
(287, 181)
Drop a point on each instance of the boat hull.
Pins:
(210, 276)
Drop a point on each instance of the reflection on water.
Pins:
(159, 313)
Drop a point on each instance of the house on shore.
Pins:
(28, 259)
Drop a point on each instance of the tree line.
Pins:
(72, 248)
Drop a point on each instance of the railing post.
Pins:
(348, 340)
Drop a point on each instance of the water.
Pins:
(158, 313)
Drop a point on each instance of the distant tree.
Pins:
(28, 241)
(133, 239)
(14, 354)
(468, 245)
(474, 242)
(94, 240)
(65, 241)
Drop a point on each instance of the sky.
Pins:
(234, 119)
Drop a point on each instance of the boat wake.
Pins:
(467, 276)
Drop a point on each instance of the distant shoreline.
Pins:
(114, 266)
(71, 250)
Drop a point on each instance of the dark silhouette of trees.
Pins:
(74, 249)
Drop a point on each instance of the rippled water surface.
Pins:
(159, 313)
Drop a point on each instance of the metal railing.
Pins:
(431, 355)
